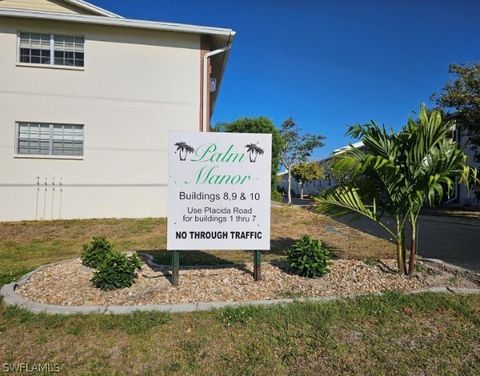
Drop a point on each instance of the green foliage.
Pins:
(462, 95)
(276, 195)
(397, 174)
(257, 125)
(308, 171)
(117, 271)
(296, 148)
(309, 258)
(96, 252)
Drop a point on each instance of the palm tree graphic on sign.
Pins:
(253, 151)
(183, 149)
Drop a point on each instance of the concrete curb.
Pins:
(467, 273)
(11, 298)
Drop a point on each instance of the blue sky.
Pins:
(329, 64)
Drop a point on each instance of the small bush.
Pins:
(96, 252)
(276, 196)
(309, 258)
(117, 271)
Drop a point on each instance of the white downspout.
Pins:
(206, 84)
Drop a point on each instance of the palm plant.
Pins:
(397, 174)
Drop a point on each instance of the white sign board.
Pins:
(219, 191)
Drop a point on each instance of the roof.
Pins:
(92, 8)
(343, 149)
(118, 21)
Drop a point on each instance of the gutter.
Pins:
(206, 86)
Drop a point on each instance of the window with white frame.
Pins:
(50, 139)
(50, 49)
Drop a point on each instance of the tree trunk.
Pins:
(401, 262)
(289, 193)
(301, 191)
(413, 249)
(404, 252)
(401, 266)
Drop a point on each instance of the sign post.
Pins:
(257, 265)
(219, 193)
(175, 267)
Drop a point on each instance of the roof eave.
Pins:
(116, 22)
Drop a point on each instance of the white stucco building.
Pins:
(461, 196)
(317, 186)
(87, 99)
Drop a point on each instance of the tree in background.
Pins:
(462, 95)
(307, 172)
(297, 148)
(257, 125)
(397, 174)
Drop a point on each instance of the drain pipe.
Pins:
(206, 85)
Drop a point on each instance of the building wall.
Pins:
(135, 87)
(57, 6)
(311, 188)
(466, 197)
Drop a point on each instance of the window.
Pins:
(52, 49)
(49, 139)
(35, 48)
(68, 50)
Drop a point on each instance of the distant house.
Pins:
(461, 195)
(87, 100)
(315, 187)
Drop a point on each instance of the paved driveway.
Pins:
(453, 240)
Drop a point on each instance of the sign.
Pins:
(219, 191)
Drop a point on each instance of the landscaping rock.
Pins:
(68, 284)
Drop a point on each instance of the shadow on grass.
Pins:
(279, 246)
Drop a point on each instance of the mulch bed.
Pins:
(68, 283)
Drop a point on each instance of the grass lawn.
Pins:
(391, 335)
(394, 334)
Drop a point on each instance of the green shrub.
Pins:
(309, 258)
(117, 271)
(96, 252)
(276, 196)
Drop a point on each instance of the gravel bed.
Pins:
(68, 283)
